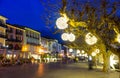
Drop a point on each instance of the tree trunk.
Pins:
(119, 64)
(106, 64)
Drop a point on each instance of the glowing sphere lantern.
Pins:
(90, 39)
(64, 36)
(70, 50)
(62, 23)
(71, 37)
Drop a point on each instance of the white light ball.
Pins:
(64, 36)
(71, 37)
(61, 23)
(90, 39)
(78, 51)
(70, 50)
(93, 54)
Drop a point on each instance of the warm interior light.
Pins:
(90, 39)
(62, 23)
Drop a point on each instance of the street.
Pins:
(54, 70)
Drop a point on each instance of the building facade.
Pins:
(31, 43)
(14, 40)
(2, 34)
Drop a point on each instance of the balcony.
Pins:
(14, 40)
(19, 32)
(9, 31)
(3, 25)
(33, 43)
(2, 35)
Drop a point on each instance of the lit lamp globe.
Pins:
(97, 51)
(64, 36)
(93, 54)
(62, 23)
(71, 37)
(70, 50)
(90, 39)
(78, 51)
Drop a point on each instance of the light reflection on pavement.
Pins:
(54, 70)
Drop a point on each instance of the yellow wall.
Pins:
(2, 29)
(2, 41)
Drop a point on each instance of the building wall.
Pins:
(14, 37)
(31, 42)
(45, 44)
(2, 30)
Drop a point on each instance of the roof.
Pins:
(2, 17)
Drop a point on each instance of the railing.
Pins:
(3, 25)
(3, 35)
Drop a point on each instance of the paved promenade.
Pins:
(55, 70)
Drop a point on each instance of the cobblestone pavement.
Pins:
(55, 70)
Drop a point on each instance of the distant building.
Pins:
(14, 40)
(54, 47)
(2, 33)
(31, 43)
(45, 44)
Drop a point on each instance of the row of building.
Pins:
(20, 41)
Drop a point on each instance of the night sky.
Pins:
(32, 13)
(28, 13)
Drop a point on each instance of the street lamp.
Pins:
(90, 39)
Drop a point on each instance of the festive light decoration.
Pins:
(71, 37)
(90, 39)
(97, 51)
(78, 51)
(62, 23)
(64, 36)
(83, 51)
(93, 54)
(70, 50)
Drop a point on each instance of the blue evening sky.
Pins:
(31, 13)
(27, 13)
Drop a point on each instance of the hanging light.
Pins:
(70, 50)
(78, 51)
(90, 39)
(64, 36)
(93, 54)
(62, 23)
(83, 51)
(71, 37)
(97, 51)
